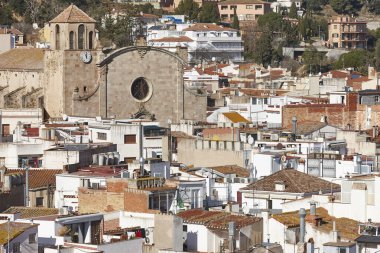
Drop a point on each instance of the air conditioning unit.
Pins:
(149, 239)
(244, 180)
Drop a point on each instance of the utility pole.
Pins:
(26, 167)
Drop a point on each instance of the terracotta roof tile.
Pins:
(31, 212)
(235, 117)
(216, 219)
(72, 14)
(15, 228)
(231, 169)
(10, 31)
(39, 178)
(295, 182)
(174, 39)
(347, 228)
(22, 59)
(207, 27)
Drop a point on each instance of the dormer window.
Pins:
(279, 186)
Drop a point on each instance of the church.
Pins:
(75, 77)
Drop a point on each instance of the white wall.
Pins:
(131, 219)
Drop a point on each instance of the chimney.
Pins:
(335, 233)
(231, 236)
(313, 208)
(302, 225)
(294, 127)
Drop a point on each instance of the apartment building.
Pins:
(347, 32)
(204, 41)
(245, 9)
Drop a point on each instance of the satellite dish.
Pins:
(250, 140)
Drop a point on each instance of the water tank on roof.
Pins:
(95, 158)
(116, 158)
(110, 158)
(106, 161)
(101, 159)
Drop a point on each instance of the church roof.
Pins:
(72, 14)
(22, 59)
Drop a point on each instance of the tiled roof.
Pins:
(22, 59)
(216, 219)
(31, 212)
(308, 128)
(242, 2)
(235, 117)
(231, 169)
(295, 182)
(72, 14)
(15, 229)
(39, 178)
(207, 27)
(347, 228)
(174, 39)
(10, 30)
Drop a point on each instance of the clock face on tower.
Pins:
(86, 56)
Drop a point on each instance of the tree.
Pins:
(235, 22)
(357, 59)
(346, 6)
(146, 8)
(209, 13)
(377, 55)
(313, 6)
(293, 11)
(313, 59)
(189, 8)
(6, 15)
(264, 49)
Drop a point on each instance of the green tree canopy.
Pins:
(209, 13)
(293, 11)
(377, 55)
(313, 59)
(189, 8)
(358, 59)
(264, 50)
(346, 6)
(235, 22)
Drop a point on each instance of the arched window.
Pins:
(71, 38)
(57, 40)
(81, 37)
(90, 34)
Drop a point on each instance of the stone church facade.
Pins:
(76, 78)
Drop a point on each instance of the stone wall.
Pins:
(93, 201)
(136, 201)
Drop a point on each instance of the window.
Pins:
(249, 16)
(224, 7)
(184, 228)
(16, 247)
(249, 6)
(71, 40)
(90, 35)
(32, 238)
(258, 6)
(102, 136)
(6, 130)
(232, 7)
(140, 89)
(39, 201)
(57, 37)
(85, 89)
(335, 26)
(376, 99)
(342, 250)
(265, 101)
(130, 139)
(81, 37)
(129, 159)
